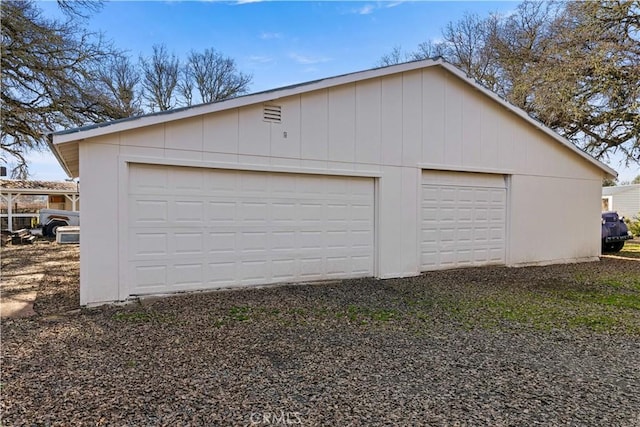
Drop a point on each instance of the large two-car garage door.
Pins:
(196, 228)
(463, 219)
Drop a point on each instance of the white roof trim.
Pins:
(76, 135)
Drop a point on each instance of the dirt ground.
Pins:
(52, 270)
(496, 346)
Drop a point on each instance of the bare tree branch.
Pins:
(213, 76)
(575, 66)
(48, 79)
(160, 74)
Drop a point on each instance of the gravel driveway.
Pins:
(486, 346)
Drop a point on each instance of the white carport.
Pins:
(19, 204)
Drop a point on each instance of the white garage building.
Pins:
(385, 173)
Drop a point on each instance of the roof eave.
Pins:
(54, 149)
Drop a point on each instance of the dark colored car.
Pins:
(614, 232)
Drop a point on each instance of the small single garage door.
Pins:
(196, 228)
(463, 219)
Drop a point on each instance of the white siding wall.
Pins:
(627, 203)
(100, 221)
(553, 220)
(392, 127)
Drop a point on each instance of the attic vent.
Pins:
(272, 113)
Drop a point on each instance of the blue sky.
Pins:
(278, 43)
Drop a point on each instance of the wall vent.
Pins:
(272, 113)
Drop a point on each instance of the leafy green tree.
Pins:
(595, 64)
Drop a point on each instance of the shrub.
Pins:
(634, 225)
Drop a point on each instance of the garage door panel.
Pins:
(187, 181)
(251, 241)
(253, 183)
(149, 211)
(147, 179)
(254, 271)
(221, 273)
(311, 268)
(337, 265)
(361, 265)
(337, 211)
(221, 242)
(252, 213)
(448, 195)
(190, 243)
(187, 212)
(283, 212)
(497, 216)
(183, 275)
(360, 212)
(149, 244)
(360, 239)
(463, 220)
(481, 235)
(222, 212)
(221, 185)
(233, 228)
(284, 240)
(310, 186)
(152, 277)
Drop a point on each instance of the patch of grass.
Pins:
(619, 300)
(619, 280)
(383, 315)
(544, 310)
(240, 313)
(595, 322)
(365, 315)
(613, 281)
(218, 323)
(484, 312)
(353, 312)
(631, 249)
(297, 311)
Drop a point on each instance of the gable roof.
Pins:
(611, 191)
(64, 144)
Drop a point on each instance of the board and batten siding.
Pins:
(390, 128)
(628, 202)
(623, 199)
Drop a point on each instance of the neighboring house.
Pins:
(625, 199)
(20, 200)
(386, 173)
